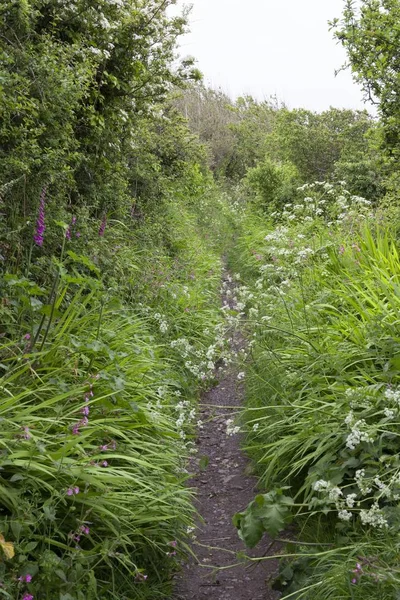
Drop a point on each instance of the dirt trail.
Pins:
(222, 489)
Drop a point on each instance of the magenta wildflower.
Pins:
(85, 529)
(342, 250)
(27, 596)
(78, 234)
(104, 463)
(26, 435)
(27, 336)
(173, 544)
(141, 577)
(85, 410)
(68, 233)
(25, 578)
(76, 490)
(40, 223)
(73, 220)
(354, 580)
(70, 492)
(103, 226)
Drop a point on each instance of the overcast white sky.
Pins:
(264, 47)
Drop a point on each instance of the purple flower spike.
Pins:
(40, 223)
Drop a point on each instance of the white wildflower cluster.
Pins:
(162, 321)
(231, 428)
(374, 517)
(362, 483)
(323, 200)
(359, 432)
(393, 395)
(186, 417)
(344, 503)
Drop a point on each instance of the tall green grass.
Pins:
(322, 413)
(102, 356)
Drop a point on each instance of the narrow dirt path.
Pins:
(222, 489)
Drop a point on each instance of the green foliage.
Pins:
(267, 513)
(274, 184)
(322, 415)
(100, 365)
(315, 142)
(370, 33)
(84, 108)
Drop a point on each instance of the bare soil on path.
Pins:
(223, 488)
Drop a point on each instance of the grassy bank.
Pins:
(322, 418)
(103, 351)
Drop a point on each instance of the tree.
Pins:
(370, 33)
(315, 142)
(76, 79)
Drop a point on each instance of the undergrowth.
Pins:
(103, 352)
(321, 294)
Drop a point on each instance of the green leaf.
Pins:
(250, 528)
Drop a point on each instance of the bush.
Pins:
(273, 184)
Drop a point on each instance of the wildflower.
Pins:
(256, 426)
(140, 577)
(25, 578)
(104, 463)
(103, 226)
(373, 517)
(27, 336)
(389, 413)
(241, 376)
(230, 428)
(26, 435)
(27, 596)
(68, 233)
(345, 515)
(78, 234)
(40, 223)
(342, 250)
(350, 500)
(320, 485)
(85, 529)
